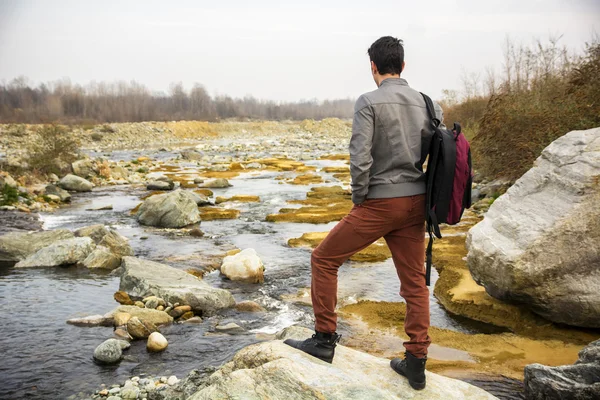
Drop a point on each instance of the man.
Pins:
(388, 192)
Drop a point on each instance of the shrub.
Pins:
(52, 149)
(8, 195)
(546, 102)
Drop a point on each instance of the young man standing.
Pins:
(388, 191)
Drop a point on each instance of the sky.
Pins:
(275, 50)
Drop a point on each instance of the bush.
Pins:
(526, 116)
(53, 149)
(8, 195)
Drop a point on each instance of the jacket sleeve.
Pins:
(360, 148)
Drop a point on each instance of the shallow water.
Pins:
(43, 357)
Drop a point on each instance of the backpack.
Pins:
(449, 177)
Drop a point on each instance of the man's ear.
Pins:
(403, 64)
(373, 68)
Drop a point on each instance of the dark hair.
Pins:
(388, 55)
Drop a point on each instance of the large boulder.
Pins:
(275, 370)
(539, 243)
(147, 278)
(102, 258)
(117, 243)
(169, 210)
(110, 351)
(75, 183)
(16, 246)
(580, 381)
(96, 232)
(244, 266)
(63, 252)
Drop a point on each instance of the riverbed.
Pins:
(43, 357)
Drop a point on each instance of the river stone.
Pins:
(63, 195)
(75, 183)
(7, 180)
(140, 329)
(249, 306)
(16, 246)
(102, 258)
(63, 252)
(145, 314)
(153, 302)
(145, 278)
(244, 266)
(216, 183)
(169, 210)
(121, 318)
(160, 185)
(92, 320)
(117, 243)
(539, 243)
(156, 342)
(123, 298)
(96, 232)
(109, 352)
(277, 371)
(200, 199)
(568, 382)
(85, 168)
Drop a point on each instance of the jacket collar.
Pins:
(394, 81)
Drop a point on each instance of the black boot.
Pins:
(411, 367)
(320, 345)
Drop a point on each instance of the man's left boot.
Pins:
(411, 367)
(320, 345)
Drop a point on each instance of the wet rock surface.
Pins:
(580, 381)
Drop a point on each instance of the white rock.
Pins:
(244, 266)
(63, 252)
(539, 243)
(156, 342)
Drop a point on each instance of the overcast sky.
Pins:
(278, 50)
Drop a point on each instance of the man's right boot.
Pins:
(320, 345)
(411, 367)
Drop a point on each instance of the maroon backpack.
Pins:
(449, 177)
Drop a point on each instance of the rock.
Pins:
(216, 183)
(194, 320)
(102, 258)
(231, 327)
(75, 183)
(144, 278)
(16, 246)
(249, 306)
(118, 172)
(109, 352)
(200, 199)
(245, 266)
(146, 315)
(85, 168)
(63, 252)
(187, 315)
(92, 320)
(539, 243)
(156, 342)
(63, 195)
(7, 180)
(160, 185)
(153, 302)
(179, 311)
(100, 208)
(198, 180)
(172, 380)
(121, 318)
(129, 393)
(118, 244)
(277, 371)
(139, 304)
(140, 329)
(568, 382)
(123, 298)
(96, 232)
(196, 232)
(170, 210)
(122, 334)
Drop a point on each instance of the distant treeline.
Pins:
(64, 102)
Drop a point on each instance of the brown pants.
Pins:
(401, 222)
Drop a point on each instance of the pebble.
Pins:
(172, 380)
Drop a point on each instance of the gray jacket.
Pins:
(386, 157)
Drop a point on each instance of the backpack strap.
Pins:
(435, 122)
(432, 223)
